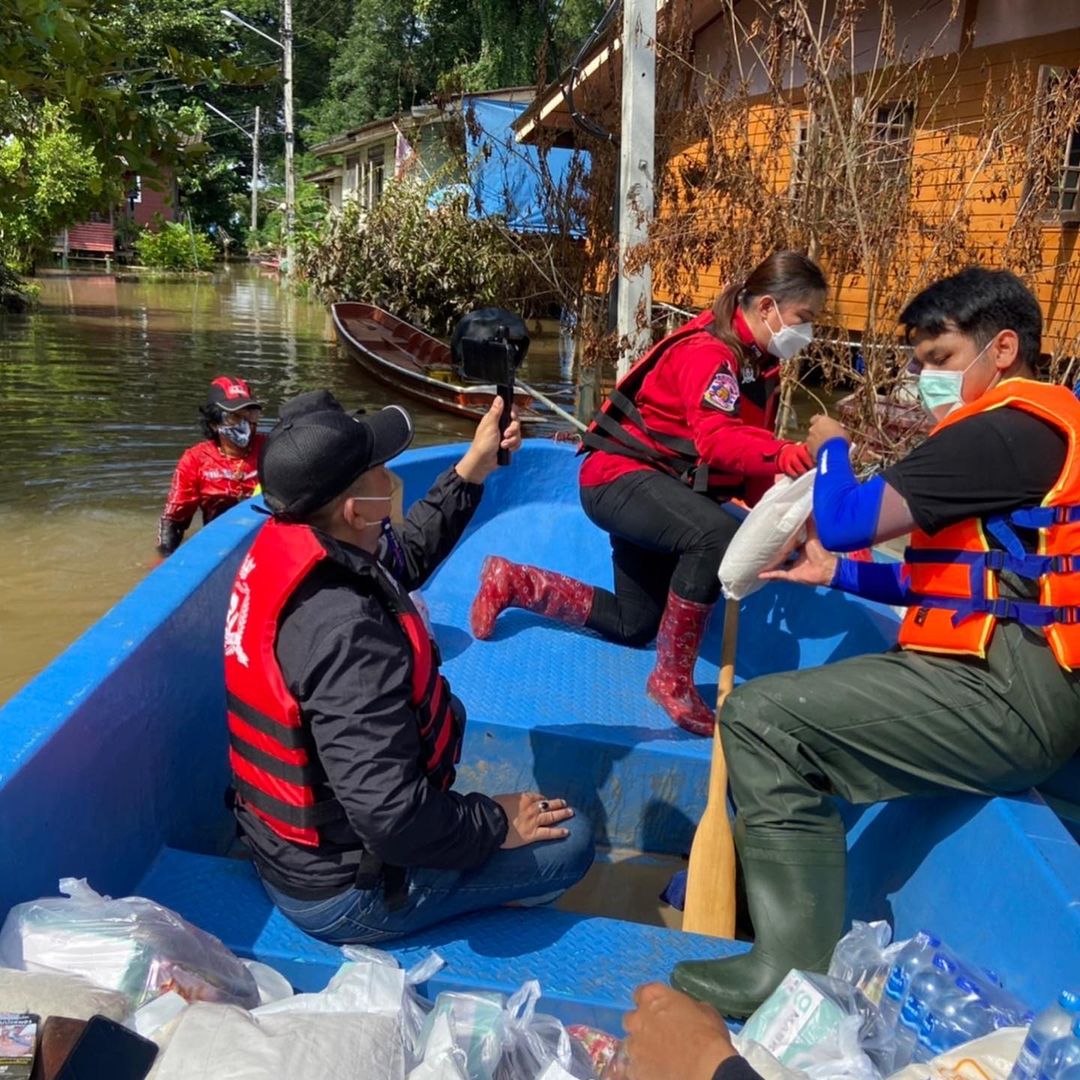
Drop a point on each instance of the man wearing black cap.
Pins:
(216, 474)
(343, 734)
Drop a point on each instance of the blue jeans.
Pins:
(536, 874)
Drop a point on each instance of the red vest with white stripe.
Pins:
(271, 750)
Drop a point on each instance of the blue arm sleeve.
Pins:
(845, 511)
(883, 582)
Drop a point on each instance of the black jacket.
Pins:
(346, 660)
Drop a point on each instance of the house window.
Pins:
(890, 136)
(376, 175)
(135, 190)
(1057, 89)
(351, 180)
(1065, 197)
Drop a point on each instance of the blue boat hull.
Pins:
(114, 766)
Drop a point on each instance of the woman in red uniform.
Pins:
(689, 427)
(216, 474)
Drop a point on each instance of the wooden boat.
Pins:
(415, 363)
(113, 766)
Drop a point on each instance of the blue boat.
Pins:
(114, 766)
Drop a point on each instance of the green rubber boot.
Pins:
(797, 895)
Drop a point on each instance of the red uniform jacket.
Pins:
(697, 391)
(208, 480)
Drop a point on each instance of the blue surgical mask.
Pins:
(238, 434)
(944, 389)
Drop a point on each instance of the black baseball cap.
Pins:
(231, 394)
(317, 450)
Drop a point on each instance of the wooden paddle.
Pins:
(710, 884)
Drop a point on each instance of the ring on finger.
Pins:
(544, 806)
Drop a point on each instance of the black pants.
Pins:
(664, 537)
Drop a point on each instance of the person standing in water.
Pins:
(688, 428)
(217, 473)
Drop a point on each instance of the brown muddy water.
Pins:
(99, 390)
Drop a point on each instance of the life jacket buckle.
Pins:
(995, 560)
(1063, 564)
(1068, 615)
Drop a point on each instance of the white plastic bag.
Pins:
(771, 531)
(990, 1058)
(221, 1042)
(372, 983)
(863, 957)
(822, 1027)
(504, 1039)
(536, 1043)
(53, 993)
(132, 945)
(442, 1058)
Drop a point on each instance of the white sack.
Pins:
(771, 531)
(223, 1042)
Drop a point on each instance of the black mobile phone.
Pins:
(107, 1050)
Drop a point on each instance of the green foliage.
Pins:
(175, 247)
(426, 266)
(399, 53)
(50, 177)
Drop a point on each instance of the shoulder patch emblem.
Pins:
(723, 392)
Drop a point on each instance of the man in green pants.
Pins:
(981, 693)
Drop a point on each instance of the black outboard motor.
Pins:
(490, 345)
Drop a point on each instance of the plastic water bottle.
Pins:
(1051, 1024)
(1060, 1055)
(962, 1014)
(907, 1031)
(913, 957)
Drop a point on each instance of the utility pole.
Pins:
(255, 172)
(636, 172)
(290, 176)
(285, 45)
(253, 135)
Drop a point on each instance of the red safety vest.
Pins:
(618, 424)
(956, 573)
(271, 751)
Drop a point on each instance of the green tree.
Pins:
(398, 53)
(50, 177)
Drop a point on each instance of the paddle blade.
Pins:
(710, 885)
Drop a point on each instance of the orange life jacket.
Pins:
(955, 574)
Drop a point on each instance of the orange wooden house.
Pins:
(971, 117)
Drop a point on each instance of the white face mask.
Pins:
(787, 342)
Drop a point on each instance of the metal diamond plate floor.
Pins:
(587, 967)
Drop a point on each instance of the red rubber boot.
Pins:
(671, 684)
(504, 584)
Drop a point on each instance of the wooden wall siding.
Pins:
(946, 160)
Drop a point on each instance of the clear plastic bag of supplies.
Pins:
(823, 1027)
(770, 532)
(131, 945)
(864, 956)
(507, 1039)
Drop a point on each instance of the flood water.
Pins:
(99, 392)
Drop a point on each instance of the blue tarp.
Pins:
(518, 182)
